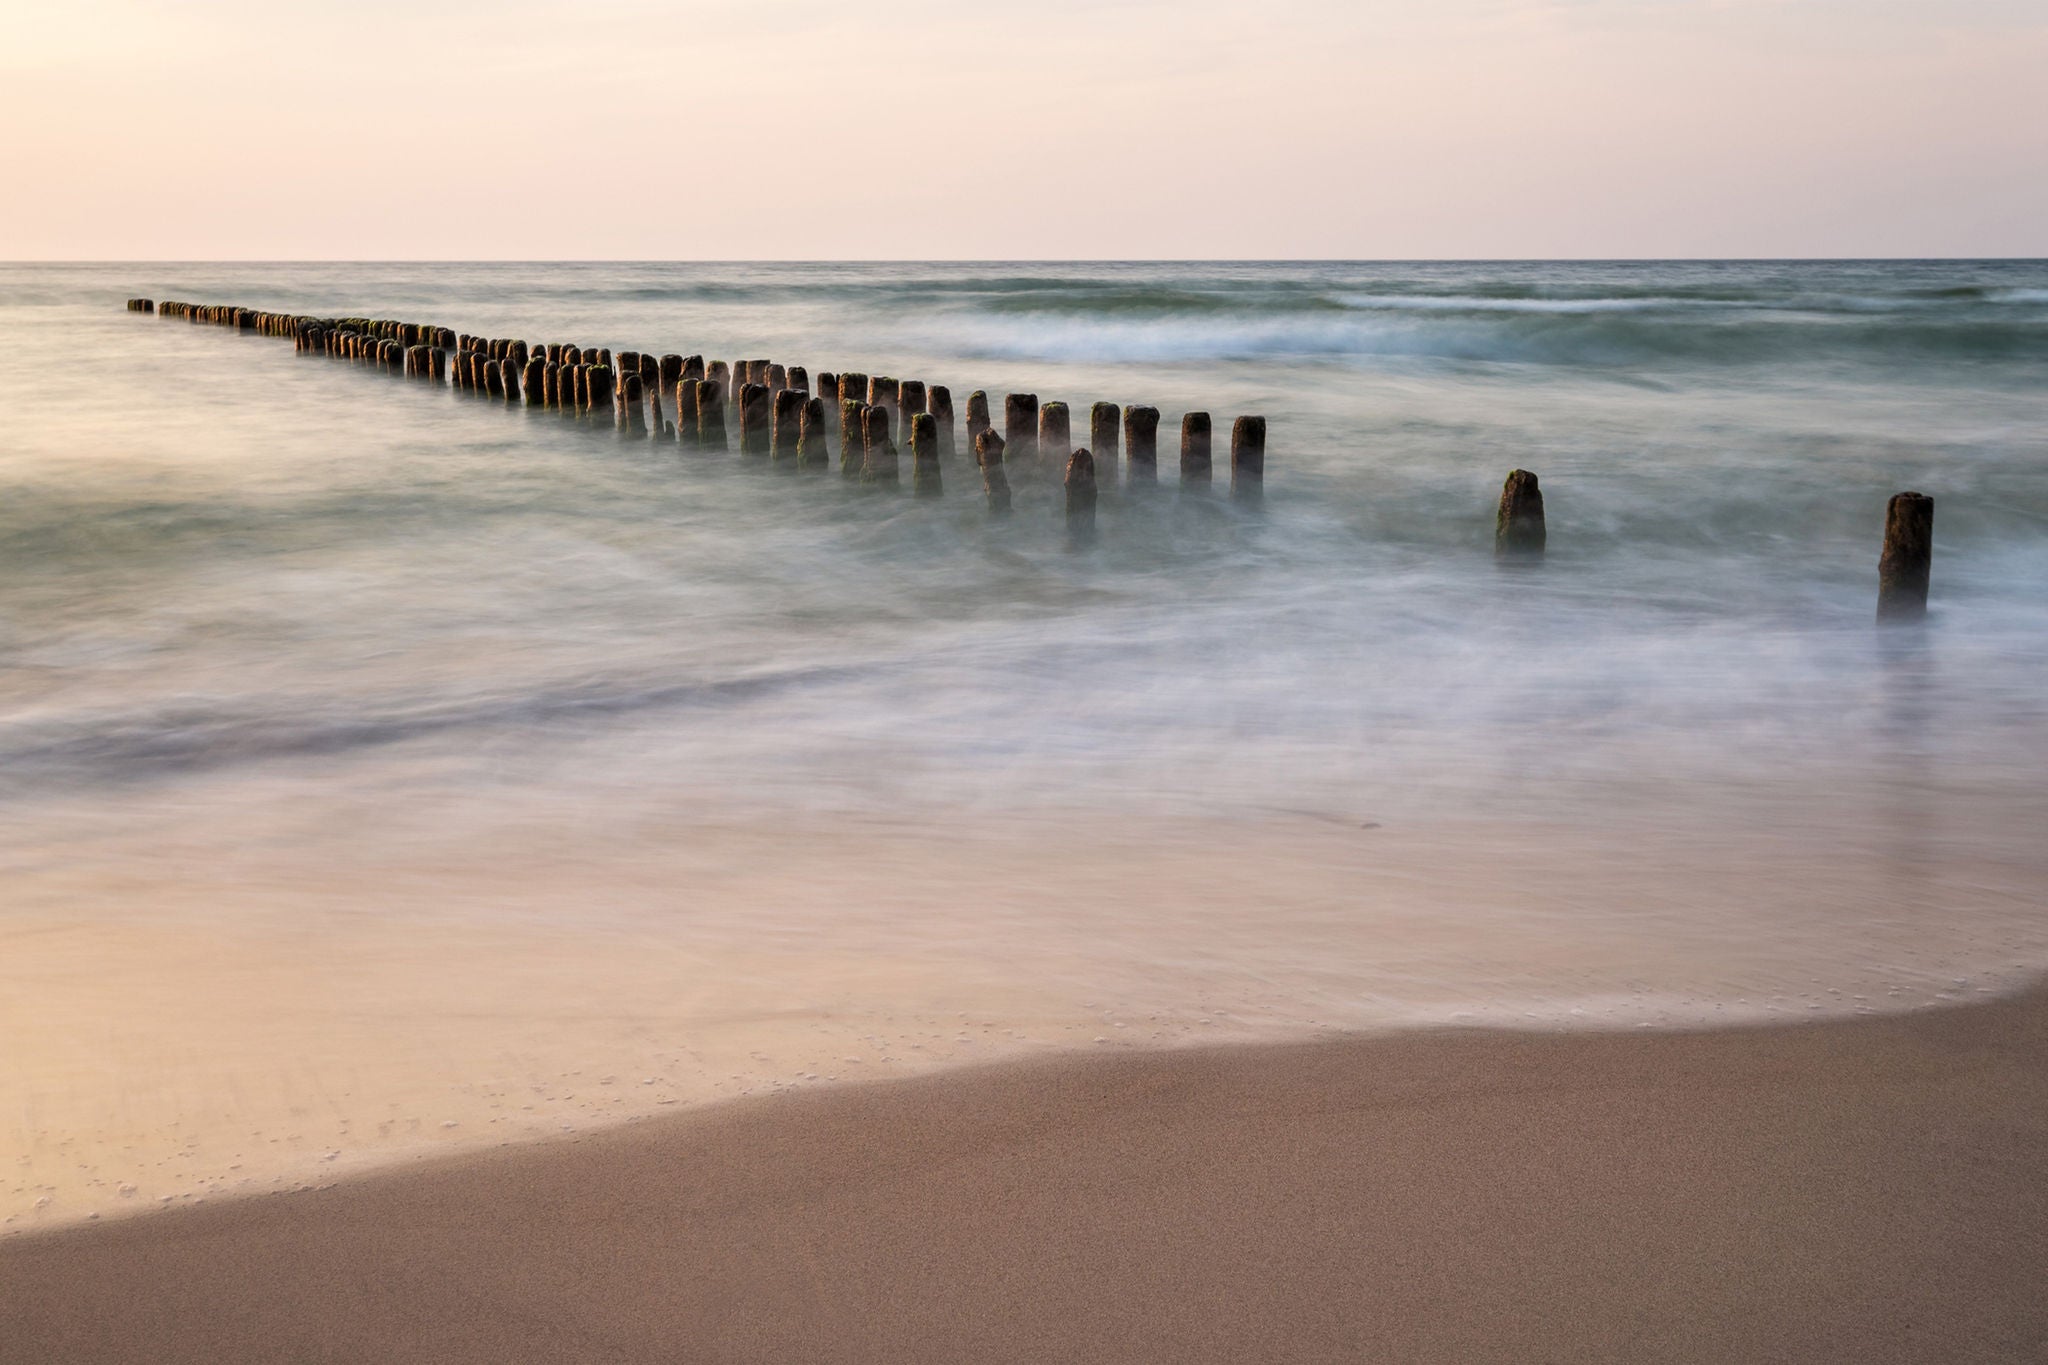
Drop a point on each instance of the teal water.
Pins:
(221, 561)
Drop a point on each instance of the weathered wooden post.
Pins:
(883, 393)
(494, 379)
(1194, 452)
(828, 388)
(1248, 459)
(536, 381)
(977, 420)
(777, 379)
(924, 456)
(940, 402)
(1080, 485)
(1906, 565)
(711, 418)
(754, 414)
(1020, 429)
(688, 395)
(671, 372)
(852, 437)
(854, 386)
(634, 396)
(1104, 420)
(988, 453)
(878, 452)
(508, 379)
(721, 375)
(800, 380)
(1055, 436)
(910, 401)
(1141, 444)
(1518, 527)
(813, 456)
(693, 367)
(786, 436)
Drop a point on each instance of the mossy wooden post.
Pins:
(988, 453)
(878, 452)
(1055, 435)
(1141, 444)
(1195, 471)
(711, 418)
(1518, 527)
(1248, 459)
(754, 415)
(1907, 563)
(1080, 486)
(854, 386)
(1104, 422)
(813, 455)
(1020, 429)
(852, 438)
(786, 436)
(688, 392)
(940, 404)
(924, 456)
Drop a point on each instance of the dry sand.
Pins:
(1852, 1190)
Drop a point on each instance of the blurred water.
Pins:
(223, 561)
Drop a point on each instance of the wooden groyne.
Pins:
(859, 418)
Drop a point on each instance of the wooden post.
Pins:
(988, 453)
(1080, 485)
(688, 392)
(754, 415)
(1194, 452)
(854, 386)
(852, 440)
(800, 380)
(878, 452)
(1518, 526)
(1248, 459)
(1056, 438)
(812, 455)
(1141, 443)
(977, 420)
(508, 378)
(883, 393)
(693, 367)
(778, 378)
(671, 374)
(941, 405)
(1020, 429)
(710, 417)
(1104, 419)
(924, 455)
(786, 436)
(1905, 566)
(828, 388)
(910, 401)
(721, 375)
(536, 380)
(634, 396)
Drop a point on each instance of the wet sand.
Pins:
(1850, 1190)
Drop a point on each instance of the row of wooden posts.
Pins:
(780, 419)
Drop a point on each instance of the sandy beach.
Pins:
(1854, 1190)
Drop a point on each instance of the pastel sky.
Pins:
(475, 129)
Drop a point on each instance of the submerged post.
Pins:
(924, 456)
(1905, 566)
(852, 443)
(785, 439)
(1194, 452)
(1080, 485)
(812, 454)
(941, 401)
(878, 465)
(1248, 459)
(1518, 527)
(1020, 427)
(988, 452)
(1141, 443)
(1103, 421)
(1056, 437)
(977, 419)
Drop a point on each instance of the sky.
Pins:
(1059, 129)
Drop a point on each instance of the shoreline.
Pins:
(1866, 1189)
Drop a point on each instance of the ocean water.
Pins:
(386, 770)
(220, 559)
